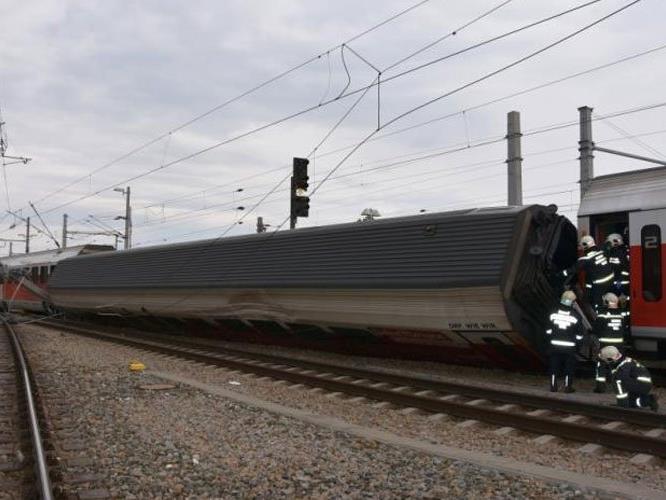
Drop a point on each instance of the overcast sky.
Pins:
(84, 83)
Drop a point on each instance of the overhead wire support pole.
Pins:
(586, 149)
(514, 159)
(630, 155)
(64, 230)
(27, 235)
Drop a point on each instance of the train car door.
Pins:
(648, 278)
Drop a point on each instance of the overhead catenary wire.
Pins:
(447, 35)
(232, 100)
(318, 106)
(435, 120)
(398, 162)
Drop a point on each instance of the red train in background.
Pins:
(633, 204)
(24, 277)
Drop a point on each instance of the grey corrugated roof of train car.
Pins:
(468, 248)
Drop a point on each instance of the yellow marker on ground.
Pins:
(136, 366)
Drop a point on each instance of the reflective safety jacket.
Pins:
(618, 258)
(630, 378)
(610, 326)
(598, 270)
(565, 329)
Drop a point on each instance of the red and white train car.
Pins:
(633, 204)
(24, 277)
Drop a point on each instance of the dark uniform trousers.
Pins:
(564, 335)
(562, 364)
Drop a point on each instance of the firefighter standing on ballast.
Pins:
(610, 328)
(564, 333)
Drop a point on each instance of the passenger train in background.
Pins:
(469, 286)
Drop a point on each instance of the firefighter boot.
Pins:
(654, 405)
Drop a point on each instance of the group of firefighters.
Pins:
(607, 292)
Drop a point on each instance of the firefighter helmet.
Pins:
(587, 242)
(610, 299)
(614, 240)
(609, 354)
(568, 298)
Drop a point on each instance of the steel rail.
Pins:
(43, 479)
(618, 439)
(592, 410)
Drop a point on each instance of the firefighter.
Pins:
(598, 272)
(610, 328)
(565, 332)
(618, 258)
(631, 380)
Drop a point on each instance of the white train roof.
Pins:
(625, 192)
(47, 257)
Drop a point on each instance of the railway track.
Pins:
(40, 448)
(611, 427)
(23, 462)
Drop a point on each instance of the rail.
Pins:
(41, 467)
(364, 383)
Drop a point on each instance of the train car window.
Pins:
(35, 274)
(43, 273)
(52, 269)
(651, 253)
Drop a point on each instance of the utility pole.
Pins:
(27, 235)
(514, 159)
(127, 217)
(586, 149)
(128, 220)
(64, 230)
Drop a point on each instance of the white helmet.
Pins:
(587, 242)
(610, 299)
(568, 298)
(610, 354)
(614, 240)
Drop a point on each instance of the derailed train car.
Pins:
(470, 286)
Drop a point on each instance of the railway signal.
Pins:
(300, 204)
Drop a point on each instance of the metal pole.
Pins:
(514, 159)
(27, 235)
(630, 155)
(292, 217)
(586, 149)
(64, 230)
(128, 220)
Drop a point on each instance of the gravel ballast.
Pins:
(185, 442)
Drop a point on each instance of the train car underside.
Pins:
(462, 325)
